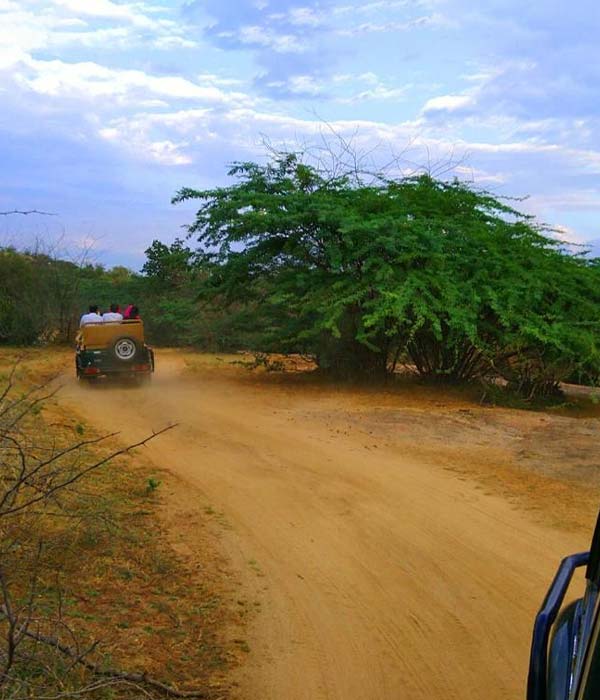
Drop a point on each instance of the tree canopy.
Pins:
(453, 279)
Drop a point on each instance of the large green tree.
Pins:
(357, 274)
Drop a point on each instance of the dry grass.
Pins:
(111, 565)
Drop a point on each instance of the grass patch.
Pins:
(107, 568)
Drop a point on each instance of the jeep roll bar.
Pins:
(537, 680)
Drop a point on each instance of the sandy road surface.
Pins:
(382, 576)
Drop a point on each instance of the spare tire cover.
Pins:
(125, 349)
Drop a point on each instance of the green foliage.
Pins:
(37, 297)
(105, 287)
(168, 267)
(170, 293)
(358, 273)
(42, 299)
(17, 282)
(174, 277)
(152, 485)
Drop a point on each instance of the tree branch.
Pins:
(116, 674)
(81, 473)
(27, 212)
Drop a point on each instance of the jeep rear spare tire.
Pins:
(125, 349)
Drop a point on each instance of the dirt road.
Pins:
(382, 573)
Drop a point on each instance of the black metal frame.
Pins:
(537, 681)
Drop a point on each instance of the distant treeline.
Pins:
(42, 298)
(361, 276)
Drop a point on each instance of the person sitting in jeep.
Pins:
(131, 312)
(91, 317)
(113, 315)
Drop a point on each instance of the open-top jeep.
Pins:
(113, 349)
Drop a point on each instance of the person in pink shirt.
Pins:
(131, 312)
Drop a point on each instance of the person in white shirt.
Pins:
(113, 314)
(91, 317)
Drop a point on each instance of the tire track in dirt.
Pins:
(381, 576)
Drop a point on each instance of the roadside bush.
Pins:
(23, 298)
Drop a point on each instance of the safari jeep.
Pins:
(113, 349)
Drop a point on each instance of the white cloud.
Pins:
(255, 35)
(161, 152)
(171, 41)
(343, 88)
(10, 56)
(117, 37)
(168, 153)
(54, 24)
(568, 235)
(88, 80)
(447, 103)
(382, 6)
(389, 27)
(581, 200)
(478, 176)
(513, 147)
(213, 79)
(305, 84)
(105, 9)
(368, 77)
(304, 16)
(299, 17)
(237, 128)
(379, 92)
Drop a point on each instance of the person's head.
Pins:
(93, 308)
(134, 312)
(114, 308)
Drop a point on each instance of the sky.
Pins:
(108, 107)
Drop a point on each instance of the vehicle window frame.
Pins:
(587, 673)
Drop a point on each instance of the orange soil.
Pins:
(397, 543)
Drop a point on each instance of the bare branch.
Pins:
(9, 382)
(141, 678)
(27, 212)
(78, 475)
(11, 644)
